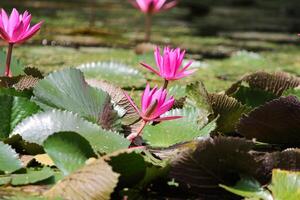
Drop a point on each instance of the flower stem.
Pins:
(166, 83)
(134, 135)
(8, 60)
(148, 27)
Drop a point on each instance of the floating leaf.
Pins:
(68, 90)
(13, 110)
(276, 122)
(249, 188)
(172, 132)
(117, 73)
(94, 181)
(214, 162)
(37, 128)
(68, 150)
(229, 111)
(30, 176)
(275, 83)
(285, 185)
(26, 82)
(34, 72)
(177, 91)
(9, 159)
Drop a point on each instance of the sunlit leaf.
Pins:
(37, 128)
(117, 73)
(9, 159)
(172, 132)
(285, 185)
(68, 90)
(68, 150)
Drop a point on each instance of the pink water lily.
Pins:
(16, 29)
(170, 64)
(154, 104)
(153, 6)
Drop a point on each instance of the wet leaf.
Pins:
(9, 159)
(37, 128)
(276, 122)
(68, 150)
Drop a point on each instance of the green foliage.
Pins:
(285, 185)
(39, 127)
(117, 73)
(68, 150)
(9, 161)
(29, 176)
(13, 110)
(16, 65)
(249, 188)
(171, 132)
(68, 90)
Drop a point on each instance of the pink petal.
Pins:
(33, 30)
(187, 66)
(145, 98)
(170, 5)
(4, 19)
(150, 68)
(132, 103)
(4, 35)
(184, 74)
(13, 21)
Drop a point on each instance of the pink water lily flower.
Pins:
(170, 64)
(154, 104)
(16, 28)
(153, 6)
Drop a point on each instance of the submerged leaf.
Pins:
(37, 128)
(276, 122)
(68, 150)
(95, 181)
(9, 159)
(117, 73)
